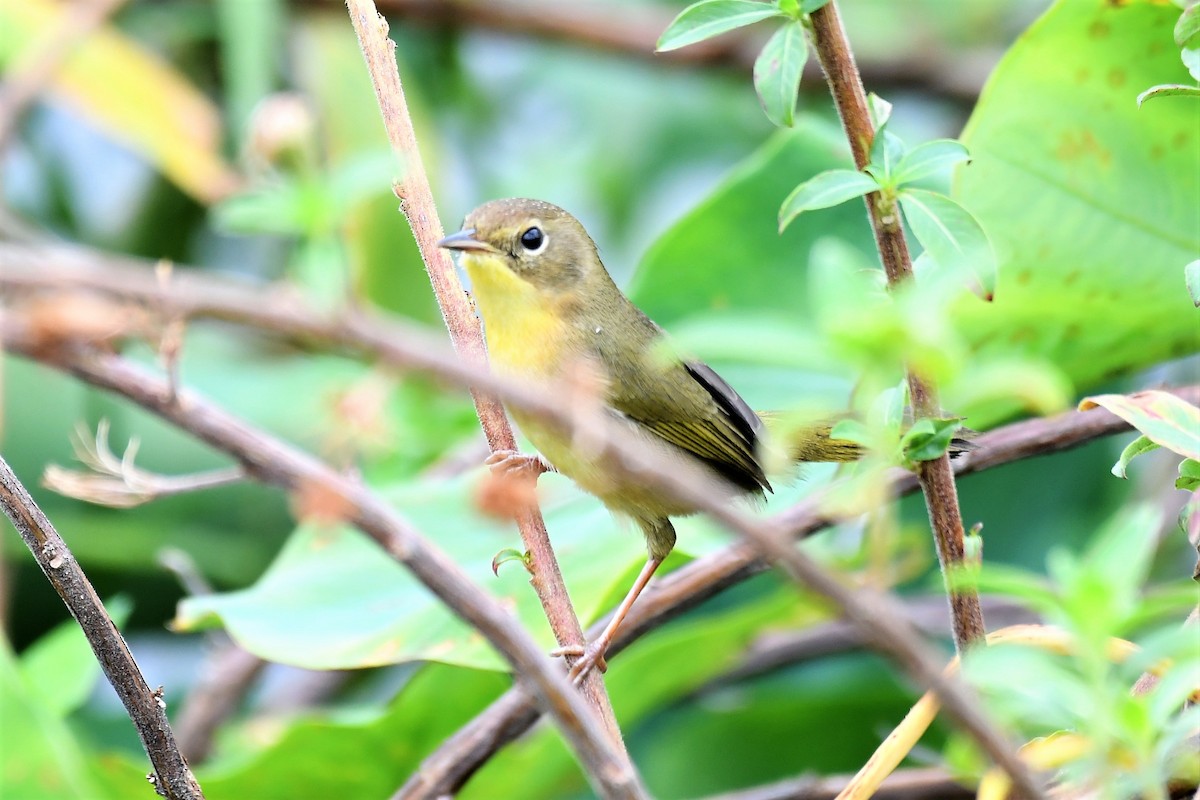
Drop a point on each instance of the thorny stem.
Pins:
(416, 201)
(936, 477)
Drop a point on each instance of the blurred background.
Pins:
(240, 139)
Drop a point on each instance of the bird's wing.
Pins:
(692, 407)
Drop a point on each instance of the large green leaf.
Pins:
(41, 758)
(727, 253)
(1090, 202)
(363, 753)
(334, 599)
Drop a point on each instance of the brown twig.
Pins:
(449, 767)
(172, 778)
(273, 462)
(784, 649)
(632, 30)
(1007, 444)
(691, 483)
(918, 783)
(26, 80)
(416, 201)
(936, 477)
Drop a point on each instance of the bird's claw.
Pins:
(588, 657)
(512, 463)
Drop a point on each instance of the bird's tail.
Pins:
(811, 441)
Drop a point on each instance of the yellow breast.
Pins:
(526, 333)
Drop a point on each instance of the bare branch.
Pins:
(449, 767)
(118, 482)
(276, 463)
(919, 783)
(172, 778)
(416, 201)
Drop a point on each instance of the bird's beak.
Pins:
(465, 240)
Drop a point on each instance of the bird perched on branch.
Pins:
(548, 306)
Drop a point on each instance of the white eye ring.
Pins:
(534, 240)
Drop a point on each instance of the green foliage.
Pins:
(777, 73)
(1086, 200)
(710, 18)
(1135, 742)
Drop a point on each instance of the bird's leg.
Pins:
(593, 654)
(512, 463)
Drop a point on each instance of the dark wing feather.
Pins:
(693, 408)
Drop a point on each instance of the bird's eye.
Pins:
(533, 240)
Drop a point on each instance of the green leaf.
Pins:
(710, 18)
(42, 758)
(880, 111)
(60, 668)
(307, 609)
(826, 189)
(1168, 90)
(1191, 59)
(953, 237)
(929, 158)
(1073, 183)
(1161, 416)
(929, 438)
(1187, 28)
(1189, 475)
(886, 152)
(1135, 448)
(809, 6)
(1191, 276)
(777, 73)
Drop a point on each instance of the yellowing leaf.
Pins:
(129, 92)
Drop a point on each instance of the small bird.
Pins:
(548, 306)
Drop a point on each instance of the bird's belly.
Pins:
(619, 494)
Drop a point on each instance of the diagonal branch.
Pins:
(416, 201)
(678, 591)
(172, 778)
(276, 463)
(510, 716)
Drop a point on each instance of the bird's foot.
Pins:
(510, 463)
(589, 657)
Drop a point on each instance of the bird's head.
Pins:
(534, 242)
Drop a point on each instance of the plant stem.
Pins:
(936, 477)
(416, 201)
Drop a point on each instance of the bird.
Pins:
(548, 305)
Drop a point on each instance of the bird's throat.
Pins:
(525, 328)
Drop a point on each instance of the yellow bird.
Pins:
(548, 306)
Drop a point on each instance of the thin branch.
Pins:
(276, 463)
(691, 483)
(226, 675)
(172, 778)
(416, 201)
(683, 589)
(936, 477)
(918, 783)
(448, 768)
(119, 482)
(784, 649)
(36, 68)
(633, 31)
